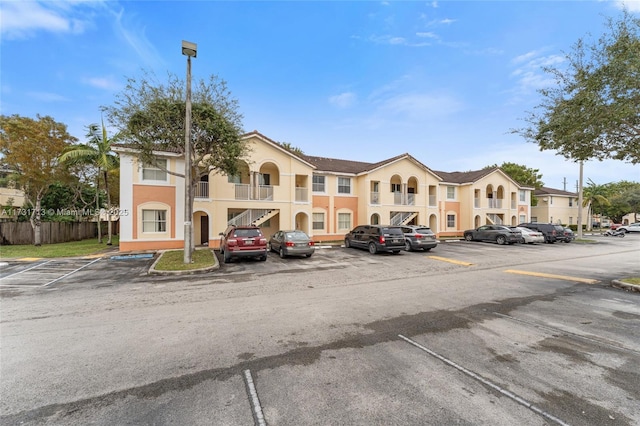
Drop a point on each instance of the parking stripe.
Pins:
(445, 259)
(553, 276)
(482, 380)
(72, 272)
(256, 409)
(25, 270)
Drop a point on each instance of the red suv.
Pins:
(243, 241)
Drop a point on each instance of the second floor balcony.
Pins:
(258, 192)
(494, 203)
(404, 199)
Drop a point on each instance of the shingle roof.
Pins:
(551, 191)
(465, 177)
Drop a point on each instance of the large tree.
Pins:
(151, 117)
(97, 152)
(593, 111)
(595, 200)
(522, 174)
(32, 147)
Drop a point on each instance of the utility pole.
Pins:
(189, 50)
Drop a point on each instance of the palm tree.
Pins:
(594, 196)
(96, 152)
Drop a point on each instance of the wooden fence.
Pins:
(52, 232)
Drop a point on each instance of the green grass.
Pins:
(633, 280)
(70, 249)
(174, 260)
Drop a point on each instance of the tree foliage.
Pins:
(593, 112)
(32, 147)
(151, 117)
(522, 174)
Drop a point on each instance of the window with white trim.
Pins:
(318, 221)
(451, 192)
(153, 172)
(523, 218)
(154, 221)
(451, 221)
(344, 185)
(344, 220)
(523, 195)
(318, 183)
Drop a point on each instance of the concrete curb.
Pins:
(625, 286)
(154, 271)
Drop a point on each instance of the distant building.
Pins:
(557, 206)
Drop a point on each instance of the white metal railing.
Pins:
(495, 219)
(242, 191)
(410, 199)
(432, 201)
(247, 217)
(513, 204)
(476, 203)
(265, 192)
(375, 197)
(495, 203)
(399, 218)
(397, 198)
(404, 199)
(302, 194)
(202, 190)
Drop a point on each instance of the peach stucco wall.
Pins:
(154, 193)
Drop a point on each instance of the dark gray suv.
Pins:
(376, 238)
(418, 237)
(551, 232)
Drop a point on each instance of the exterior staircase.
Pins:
(402, 218)
(255, 217)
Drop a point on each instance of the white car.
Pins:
(634, 227)
(529, 236)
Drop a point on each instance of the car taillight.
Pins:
(418, 236)
(311, 243)
(232, 242)
(381, 239)
(263, 241)
(289, 244)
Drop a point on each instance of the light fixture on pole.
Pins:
(189, 50)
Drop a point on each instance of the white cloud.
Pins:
(107, 83)
(529, 74)
(630, 5)
(23, 19)
(343, 100)
(47, 97)
(420, 105)
(427, 35)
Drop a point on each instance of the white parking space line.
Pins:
(482, 380)
(258, 416)
(72, 272)
(25, 270)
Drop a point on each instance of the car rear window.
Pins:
(247, 233)
(392, 231)
(424, 231)
(297, 235)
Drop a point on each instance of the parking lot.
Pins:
(468, 333)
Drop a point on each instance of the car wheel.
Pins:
(281, 253)
(309, 255)
(407, 245)
(500, 239)
(227, 257)
(395, 251)
(263, 258)
(372, 248)
(347, 244)
(468, 237)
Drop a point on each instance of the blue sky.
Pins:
(444, 81)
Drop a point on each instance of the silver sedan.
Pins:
(291, 243)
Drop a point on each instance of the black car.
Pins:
(499, 233)
(551, 232)
(376, 238)
(418, 237)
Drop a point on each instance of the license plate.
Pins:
(248, 242)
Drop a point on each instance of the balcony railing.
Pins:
(262, 192)
(265, 192)
(495, 203)
(302, 194)
(202, 190)
(375, 197)
(476, 203)
(242, 191)
(432, 201)
(403, 199)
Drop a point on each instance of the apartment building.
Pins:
(557, 206)
(325, 197)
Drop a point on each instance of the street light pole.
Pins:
(189, 50)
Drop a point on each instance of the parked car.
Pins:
(243, 241)
(291, 243)
(569, 235)
(633, 227)
(529, 236)
(551, 232)
(499, 233)
(418, 237)
(376, 238)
